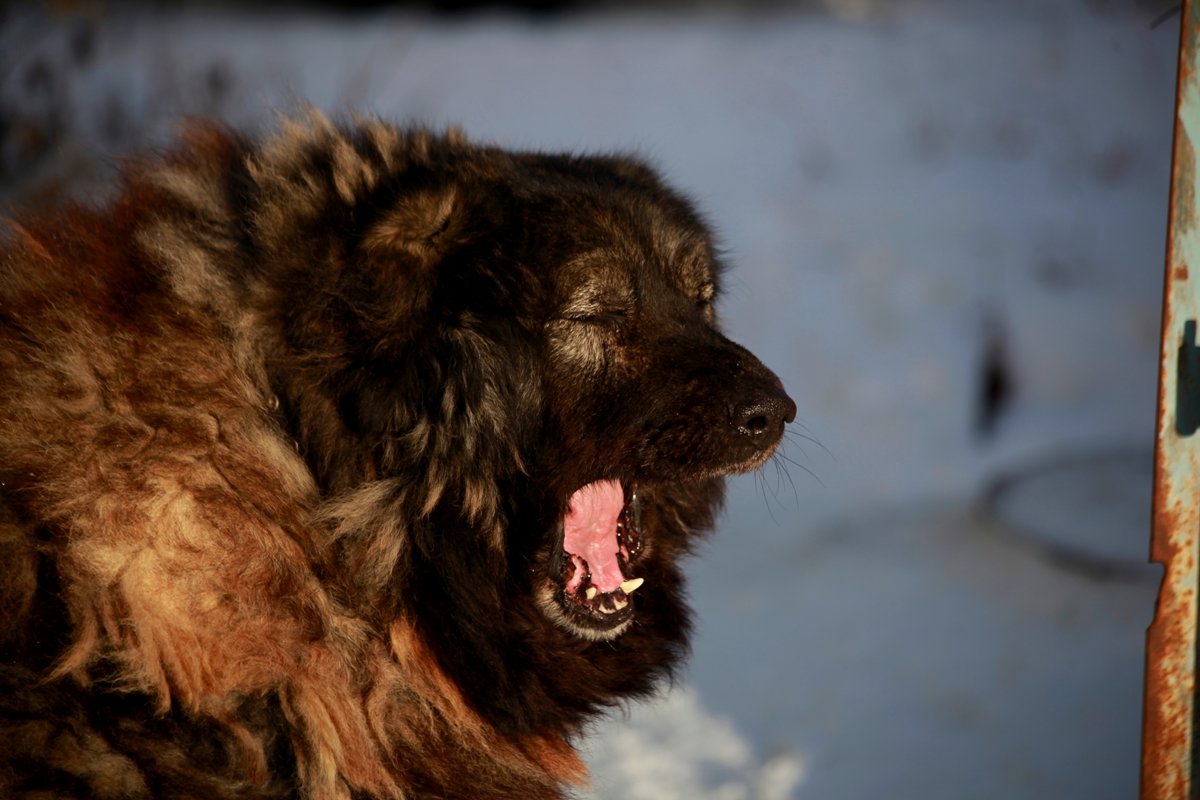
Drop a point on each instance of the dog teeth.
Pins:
(630, 586)
(611, 602)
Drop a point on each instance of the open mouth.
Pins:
(601, 540)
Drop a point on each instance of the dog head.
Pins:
(513, 363)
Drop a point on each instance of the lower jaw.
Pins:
(551, 606)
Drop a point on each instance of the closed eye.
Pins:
(604, 317)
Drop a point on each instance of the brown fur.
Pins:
(261, 459)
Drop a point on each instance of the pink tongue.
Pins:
(590, 531)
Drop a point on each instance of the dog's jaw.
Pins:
(548, 600)
(588, 591)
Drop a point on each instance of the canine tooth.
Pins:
(591, 593)
(630, 586)
(620, 603)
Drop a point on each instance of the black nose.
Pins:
(765, 412)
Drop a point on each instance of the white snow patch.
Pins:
(675, 748)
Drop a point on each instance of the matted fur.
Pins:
(286, 433)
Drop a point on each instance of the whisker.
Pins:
(780, 455)
(781, 468)
(791, 435)
(760, 482)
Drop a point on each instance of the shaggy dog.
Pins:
(357, 462)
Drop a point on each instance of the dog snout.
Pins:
(763, 413)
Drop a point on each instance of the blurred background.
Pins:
(946, 222)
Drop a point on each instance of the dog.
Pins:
(353, 461)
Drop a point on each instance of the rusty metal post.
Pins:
(1169, 733)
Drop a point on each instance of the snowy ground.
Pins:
(907, 198)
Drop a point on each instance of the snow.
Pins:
(896, 192)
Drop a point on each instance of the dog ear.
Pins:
(420, 225)
(399, 256)
(442, 394)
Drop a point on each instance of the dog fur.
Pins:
(290, 435)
